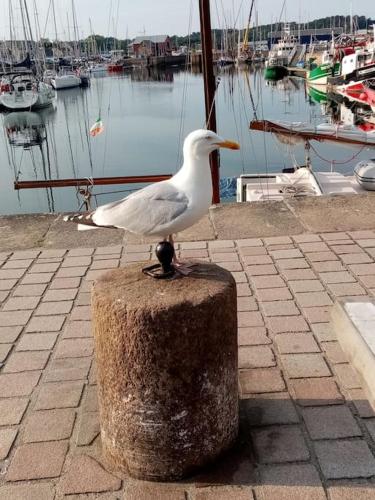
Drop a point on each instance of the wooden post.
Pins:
(209, 91)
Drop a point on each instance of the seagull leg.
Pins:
(184, 268)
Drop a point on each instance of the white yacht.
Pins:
(24, 92)
(65, 79)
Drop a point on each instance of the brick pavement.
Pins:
(307, 432)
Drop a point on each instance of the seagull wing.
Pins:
(143, 212)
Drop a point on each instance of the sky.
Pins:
(136, 17)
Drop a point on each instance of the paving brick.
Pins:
(37, 461)
(313, 299)
(261, 380)
(37, 342)
(289, 343)
(89, 428)
(7, 284)
(17, 264)
(188, 245)
(54, 308)
(29, 290)
(347, 289)
(45, 268)
(9, 334)
(14, 318)
(85, 475)
(345, 459)
(60, 295)
(346, 249)
(78, 329)
(356, 258)
(290, 482)
(255, 357)
(305, 365)
(64, 283)
(21, 303)
(306, 238)
(218, 493)
(335, 236)
(268, 281)
(81, 313)
(246, 304)
(337, 277)
(49, 425)
(270, 294)
(78, 252)
(347, 376)
(322, 267)
(25, 254)
(253, 336)
(368, 281)
(76, 261)
(74, 348)
(243, 290)
(37, 278)
(247, 318)
(26, 361)
(252, 260)
(285, 324)
(4, 351)
(363, 269)
(273, 444)
(330, 422)
(298, 274)
(270, 409)
(68, 369)
(224, 257)
(334, 352)
(131, 257)
(261, 270)
(71, 272)
(318, 314)
(83, 299)
(371, 251)
(280, 308)
(4, 295)
(285, 264)
(90, 400)
(306, 286)
(59, 395)
(321, 256)
(361, 234)
(52, 253)
(352, 491)
(108, 250)
(316, 391)
(7, 437)
(286, 254)
(277, 240)
(231, 266)
(252, 251)
(18, 384)
(45, 324)
(314, 247)
(361, 403)
(12, 410)
(187, 254)
(8, 274)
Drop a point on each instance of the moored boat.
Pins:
(24, 92)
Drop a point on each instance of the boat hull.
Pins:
(275, 72)
(65, 82)
(28, 99)
(365, 174)
(360, 74)
(321, 74)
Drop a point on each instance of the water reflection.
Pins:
(146, 113)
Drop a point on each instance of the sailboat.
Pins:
(23, 91)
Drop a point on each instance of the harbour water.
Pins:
(146, 115)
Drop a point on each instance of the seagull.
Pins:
(167, 207)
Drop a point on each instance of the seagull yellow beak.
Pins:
(228, 145)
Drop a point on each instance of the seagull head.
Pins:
(202, 142)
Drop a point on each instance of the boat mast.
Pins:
(209, 89)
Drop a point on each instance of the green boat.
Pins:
(319, 74)
(318, 94)
(275, 72)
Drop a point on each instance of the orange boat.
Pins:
(115, 67)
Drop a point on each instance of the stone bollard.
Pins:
(167, 361)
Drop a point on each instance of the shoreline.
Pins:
(292, 216)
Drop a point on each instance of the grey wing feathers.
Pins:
(144, 211)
